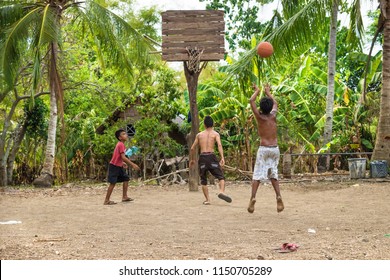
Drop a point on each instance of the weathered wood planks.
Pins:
(197, 28)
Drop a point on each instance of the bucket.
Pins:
(378, 169)
(357, 168)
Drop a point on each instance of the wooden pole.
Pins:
(192, 84)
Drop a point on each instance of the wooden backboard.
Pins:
(197, 28)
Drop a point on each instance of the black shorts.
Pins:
(117, 174)
(209, 162)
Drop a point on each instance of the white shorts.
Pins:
(267, 159)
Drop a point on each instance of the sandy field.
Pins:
(350, 219)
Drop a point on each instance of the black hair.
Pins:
(266, 105)
(118, 133)
(208, 121)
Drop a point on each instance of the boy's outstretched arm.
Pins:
(252, 101)
(129, 162)
(267, 91)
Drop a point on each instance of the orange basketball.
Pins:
(265, 49)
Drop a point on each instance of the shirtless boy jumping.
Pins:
(268, 153)
(208, 161)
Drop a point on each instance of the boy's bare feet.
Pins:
(109, 202)
(279, 203)
(251, 207)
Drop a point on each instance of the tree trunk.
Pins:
(382, 142)
(3, 174)
(331, 74)
(4, 148)
(3, 164)
(46, 178)
(287, 160)
(145, 166)
(15, 148)
(192, 84)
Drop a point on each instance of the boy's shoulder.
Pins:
(268, 117)
(204, 132)
(120, 144)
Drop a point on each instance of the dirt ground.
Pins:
(351, 220)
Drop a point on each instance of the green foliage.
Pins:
(372, 29)
(152, 137)
(241, 18)
(104, 144)
(35, 112)
(81, 136)
(34, 29)
(208, 96)
(105, 65)
(145, 22)
(160, 97)
(14, 30)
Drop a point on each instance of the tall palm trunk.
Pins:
(331, 74)
(382, 143)
(46, 178)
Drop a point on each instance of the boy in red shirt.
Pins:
(116, 172)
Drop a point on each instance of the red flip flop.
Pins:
(288, 248)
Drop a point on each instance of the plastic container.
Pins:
(378, 169)
(357, 168)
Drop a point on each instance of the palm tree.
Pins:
(382, 143)
(37, 24)
(331, 73)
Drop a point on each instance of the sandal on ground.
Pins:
(109, 203)
(287, 248)
(225, 197)
(128, 199)
(206, 203)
